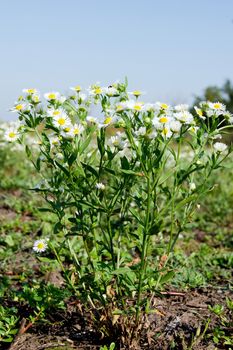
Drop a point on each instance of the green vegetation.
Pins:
(98, 242)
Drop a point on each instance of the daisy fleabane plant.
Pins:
(119, 174)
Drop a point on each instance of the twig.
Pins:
(172, 293)
(48, 345)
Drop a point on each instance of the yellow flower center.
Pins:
(40, 245)
(136, 93)
(119, 107)
(77, 88)
(31, 91)
(11, 134)
(97, 90)
(61, 121)
(52, 96)
(19, 107)
(138, 107)
(164, 106)
(36, 99)
(76, 131)
(67, 129)
(56, 112)
(108, 120)
(163, 120)
(217, 105)
(165, 131)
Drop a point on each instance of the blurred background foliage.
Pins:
(223, 94)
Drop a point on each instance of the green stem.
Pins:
(109, 228)
(62, 267)
(144, 249)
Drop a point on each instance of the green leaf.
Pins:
(72, 157)
(44, 210)
(37, 165)
(121, 271)
(9, 240)
(155, 228)
(130, 172)
(125, 163)
(90, 169)
(63, 168)
(88, 204)
(167, 277)
(85, 144)
(136, 216)
(186, 201)
(28, 151)
(7, 340)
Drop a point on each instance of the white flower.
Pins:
(161, 121)
(62, 121)
(193, 129)
(109, 120)
(59, 156)
(184, 117)
(217, 136)
(166, 132)
(11, 134)
(117, 141)
(35, 98)
(220, 147)
(175, 126)
(30, 91)
(136, 93)
(62, 99)
(110, 91)
(52, 96)
(217, 106)
(135, 105)
(100, 186)
(52, 112)
(164, 119)
(162, 106)
(20, 107)
(199, 112)
(141, 131)
(91, 120)
(76, 88)
(121, 106)
(131, 105)
(82, 96)
(148, 107)
(54, 141)
(181, 108)
(192, 186)
(229, 117)
(95, 90)
(40, 245)
(75, 130)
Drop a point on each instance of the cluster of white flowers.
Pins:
(68, 117)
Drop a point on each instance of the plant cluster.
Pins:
(113, 173)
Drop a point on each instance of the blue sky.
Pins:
(172, 49)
